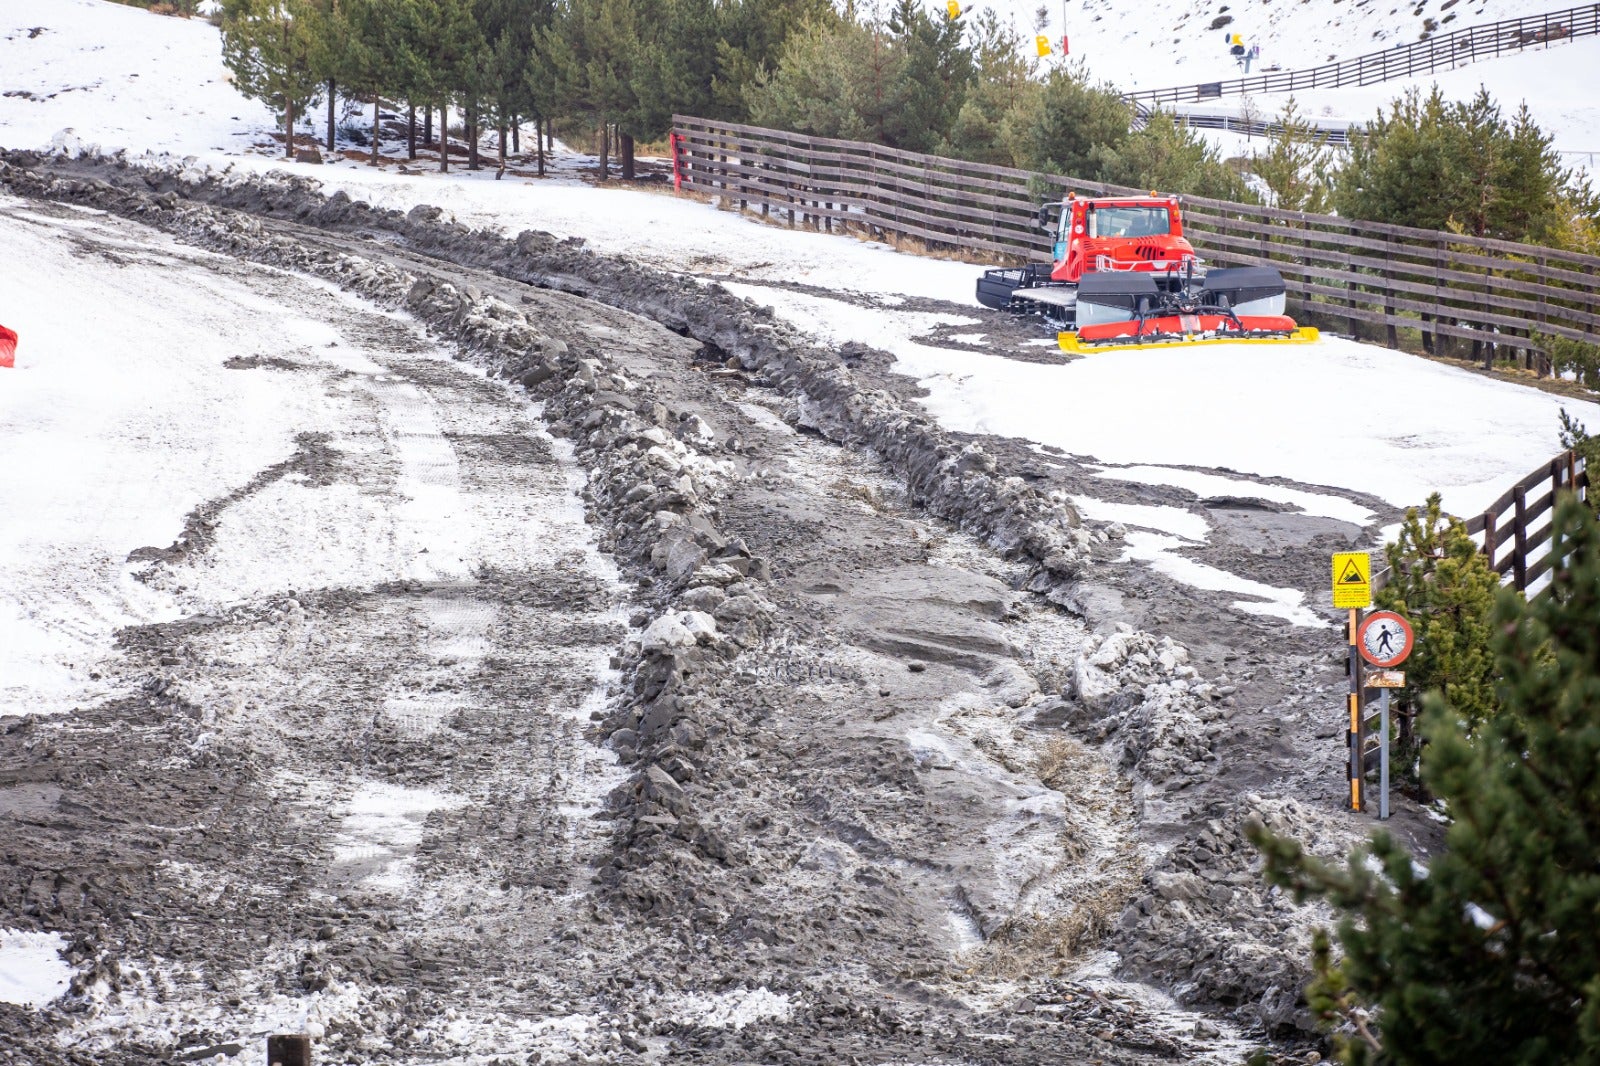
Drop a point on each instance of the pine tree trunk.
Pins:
(288, 105)
(427, 126)
(330, 114)
(372, 162)
(501, 132)
(625, 147)
(605, 147)
(516, 135)
(539, 127)
(411, 130)
(444, 138)
(472, 136)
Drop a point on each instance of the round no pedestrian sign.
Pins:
(1384, 639)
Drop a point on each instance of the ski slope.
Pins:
(1338, 414)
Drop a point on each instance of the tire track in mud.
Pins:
(697, 918)
(349, 785)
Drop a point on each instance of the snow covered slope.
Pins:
(122, 78)
(1134, 44)
(1137, 44)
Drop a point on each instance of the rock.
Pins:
(705, 598)
(308, 155)
(701, 625)
(1177, 885)
(539, 373)
(665, 634)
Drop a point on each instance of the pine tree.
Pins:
(446, 57)
(1441, 583)
(1575, 435)
(933, 75)
(674, 70)
(1460, 167)
(819, 85)
(1077, 127)
(1296, 163)
(752, 39)
(987, 128)
(268, 45)
(1491, 953)
(1397, 170)
(368, 61)
(1172, 158)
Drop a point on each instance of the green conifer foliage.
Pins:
(1441, 583)
(268, 46)
(1576, 436)
(1296, 163)
(1492, 953)
(1456, 166)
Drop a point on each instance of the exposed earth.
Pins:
(712, 704)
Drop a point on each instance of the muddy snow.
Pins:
(466, 647)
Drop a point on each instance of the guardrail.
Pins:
(1443, 52)
(1374, 278)
(1257, 128)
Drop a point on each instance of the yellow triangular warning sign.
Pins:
(1352, 574)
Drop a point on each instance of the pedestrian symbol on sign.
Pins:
(1385, 639)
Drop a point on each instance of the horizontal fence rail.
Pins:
(1257, 128)
(1443, 52)
(1514, 532)
(1515, 529)
(1460, 294)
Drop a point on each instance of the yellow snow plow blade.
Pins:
(1069, 341)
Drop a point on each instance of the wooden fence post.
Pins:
(1519, 562)
(1392, 332)
(289, 1049)
(1354, 292)
(1489, 543)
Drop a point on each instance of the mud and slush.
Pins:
(770, 722)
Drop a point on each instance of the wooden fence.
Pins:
(1443, 52)
(1515, 530)
(1376, 279)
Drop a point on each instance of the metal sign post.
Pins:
(1385, 640)
(1352, 589)
(1383, 757)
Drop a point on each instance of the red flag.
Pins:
(8, 347)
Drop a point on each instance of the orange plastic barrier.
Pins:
(8, 347)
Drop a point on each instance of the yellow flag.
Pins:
(1042, 43)
(954, 8)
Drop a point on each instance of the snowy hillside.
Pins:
(1137, 44)
(336, 537)
(118, 77)
(1133, 44)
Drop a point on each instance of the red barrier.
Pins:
(677, 150)
(8, 347)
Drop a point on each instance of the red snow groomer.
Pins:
(1124, 276)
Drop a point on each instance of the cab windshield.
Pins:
(1129, 222)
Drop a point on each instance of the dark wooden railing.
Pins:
(1515, 528)
(1514, 532)
(1373, 278)
(1443, 52)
